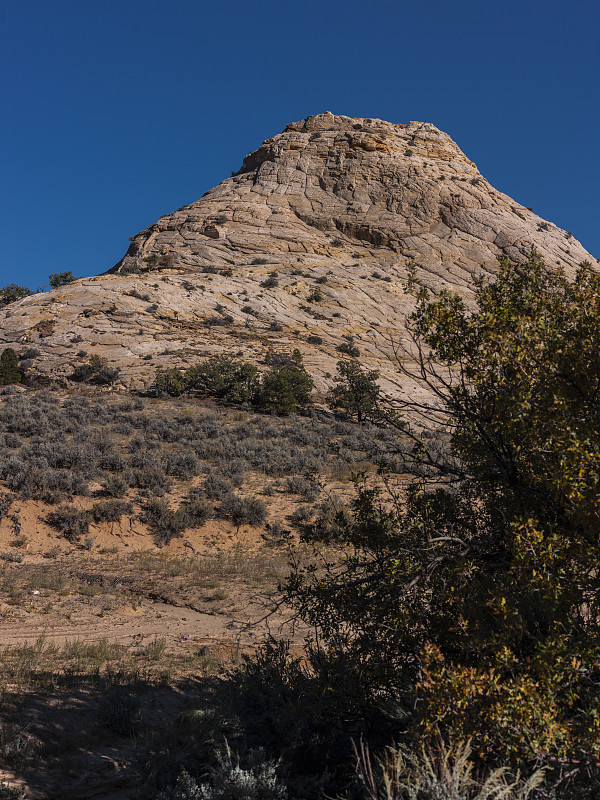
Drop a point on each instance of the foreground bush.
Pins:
(475, 604)
(437, 774)
(256, 780)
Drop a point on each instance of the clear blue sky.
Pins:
(117, 111)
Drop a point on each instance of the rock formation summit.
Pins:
(310, 241)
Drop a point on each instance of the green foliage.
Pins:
(348, 347)
(281, 390)
(357, 392)
(61, 279)
(225, 378)
(286, 387)
(9, 367)
(96, 371)
(12, 293)
(476, 600)
(172, 381)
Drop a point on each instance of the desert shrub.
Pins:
(243, 510)
(286, 387)
(216, 486)
(349, 349)
(30, 353)
(11, 441)
(151, 479)
(356, 391)
(8, 792)
(51, 485)
(181, 464)
(17, 746)
(443, 773)
(13, 557)
(197, 508)
(96, 371)
(332, 522)
(13, 470)
(166, 522)
(9, 367)
(12, 293)
(313, 339)
(301, 515)
(221, 376)
(170, 381)
(308, 489)
(256, 780)
(233, 469)
(120, 711)
(258, 262)
(110, 510)
(215, 320)
(61, 279)
(111, 462)
(270, 283)
(70, 521)
(158, 261)
(115, 486)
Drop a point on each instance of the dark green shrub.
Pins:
(349, 348)
(357, 392)
(223, 377)
(61, 279)
(312, 339)
(172, 381)
(285, 388)
(270, 283)
(9, 367)
(96, 371)
(12, 293)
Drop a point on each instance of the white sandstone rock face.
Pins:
(312, 237)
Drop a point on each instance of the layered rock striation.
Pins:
(311, 241)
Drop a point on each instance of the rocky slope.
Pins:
(312, 237)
